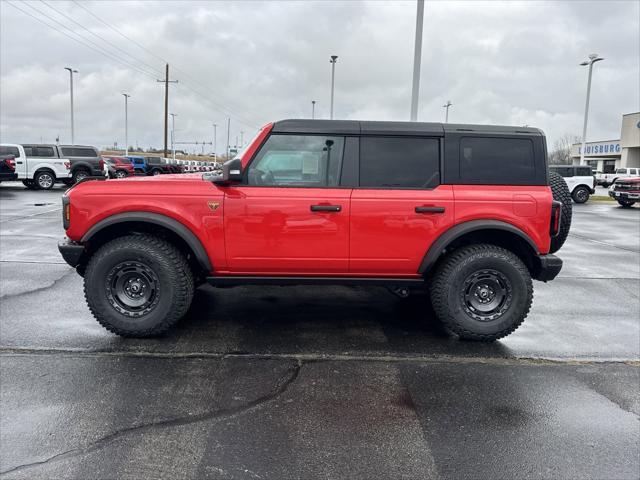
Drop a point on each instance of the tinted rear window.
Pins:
(564, 171)
(395, 162)
(78, 152)
(583, 171)
(43, 152)
(496, 160)
(10, 151)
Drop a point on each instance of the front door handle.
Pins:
(326, 208)
(429, 209)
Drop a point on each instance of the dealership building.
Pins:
(606, 156)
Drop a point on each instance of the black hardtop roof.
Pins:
(366, 127)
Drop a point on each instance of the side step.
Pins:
(238, 280)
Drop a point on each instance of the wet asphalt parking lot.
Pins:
(319, 382)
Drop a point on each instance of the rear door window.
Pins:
(583, 171)
(621, 170)
(492, 160)
(399, 162)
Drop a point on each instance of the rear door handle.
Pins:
(429, 209)
(326, 208)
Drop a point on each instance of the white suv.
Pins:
(579, 179)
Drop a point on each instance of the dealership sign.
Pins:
(601, 148)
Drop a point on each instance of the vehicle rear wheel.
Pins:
(561, 194)
(156, 172)
(30, 184)
(625, 203)
(79, 175)
(121, 174)
(481, 292)
(44, 180)
(138, 285)
(580, 195)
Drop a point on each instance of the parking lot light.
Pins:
(71, 72)
(593, 58)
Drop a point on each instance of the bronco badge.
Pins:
(213, 205)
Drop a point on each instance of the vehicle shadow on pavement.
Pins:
(369, 321)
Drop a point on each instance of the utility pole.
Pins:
(446, 106)
(593, 58)
(241, 138)
(215, 142)
(417, 59)
(126, 123)
(173, 133)
(313, 109)
(166, 82)
(228, 135)
(334, 59)
(71, 72)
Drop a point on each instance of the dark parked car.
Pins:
(8, 168)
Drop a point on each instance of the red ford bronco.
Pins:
(469, 212)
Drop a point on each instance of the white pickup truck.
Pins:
(606, 179)
(41, 169)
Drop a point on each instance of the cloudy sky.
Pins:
(498, 62)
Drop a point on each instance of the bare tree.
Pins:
(561, 153)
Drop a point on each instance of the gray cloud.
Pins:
(498, 62)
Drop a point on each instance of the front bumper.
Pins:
(629, 196)
(71, 252)
(547, 267)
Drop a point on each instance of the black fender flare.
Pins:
(156, 219)
(455, 232)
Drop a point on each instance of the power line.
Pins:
(151, 67)
(80, 41)
(221, 107)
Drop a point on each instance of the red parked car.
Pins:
(119, 167)
(469, 213)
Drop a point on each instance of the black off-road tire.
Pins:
(561, 193)
(625, 203)
(580, 194)
(171, 279)
(450, 286)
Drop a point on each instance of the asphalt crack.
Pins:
(282, 385)
(39, 289)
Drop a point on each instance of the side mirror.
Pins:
(231, 172)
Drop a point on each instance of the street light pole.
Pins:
(593, 58)
(126, 123)
(215, 141)
(228, 135)
(417, 59)
(446, 115)
(313, 109)
(333, 60)
(71, 72)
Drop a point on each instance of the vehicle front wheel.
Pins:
(121, 174)
(625, 203)
(481, 292)
(138, 285)
(45, 180)
(580, 195)
(156, 172)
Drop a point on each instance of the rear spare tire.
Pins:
(481, 292)
(138, 285)
(561, 194)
